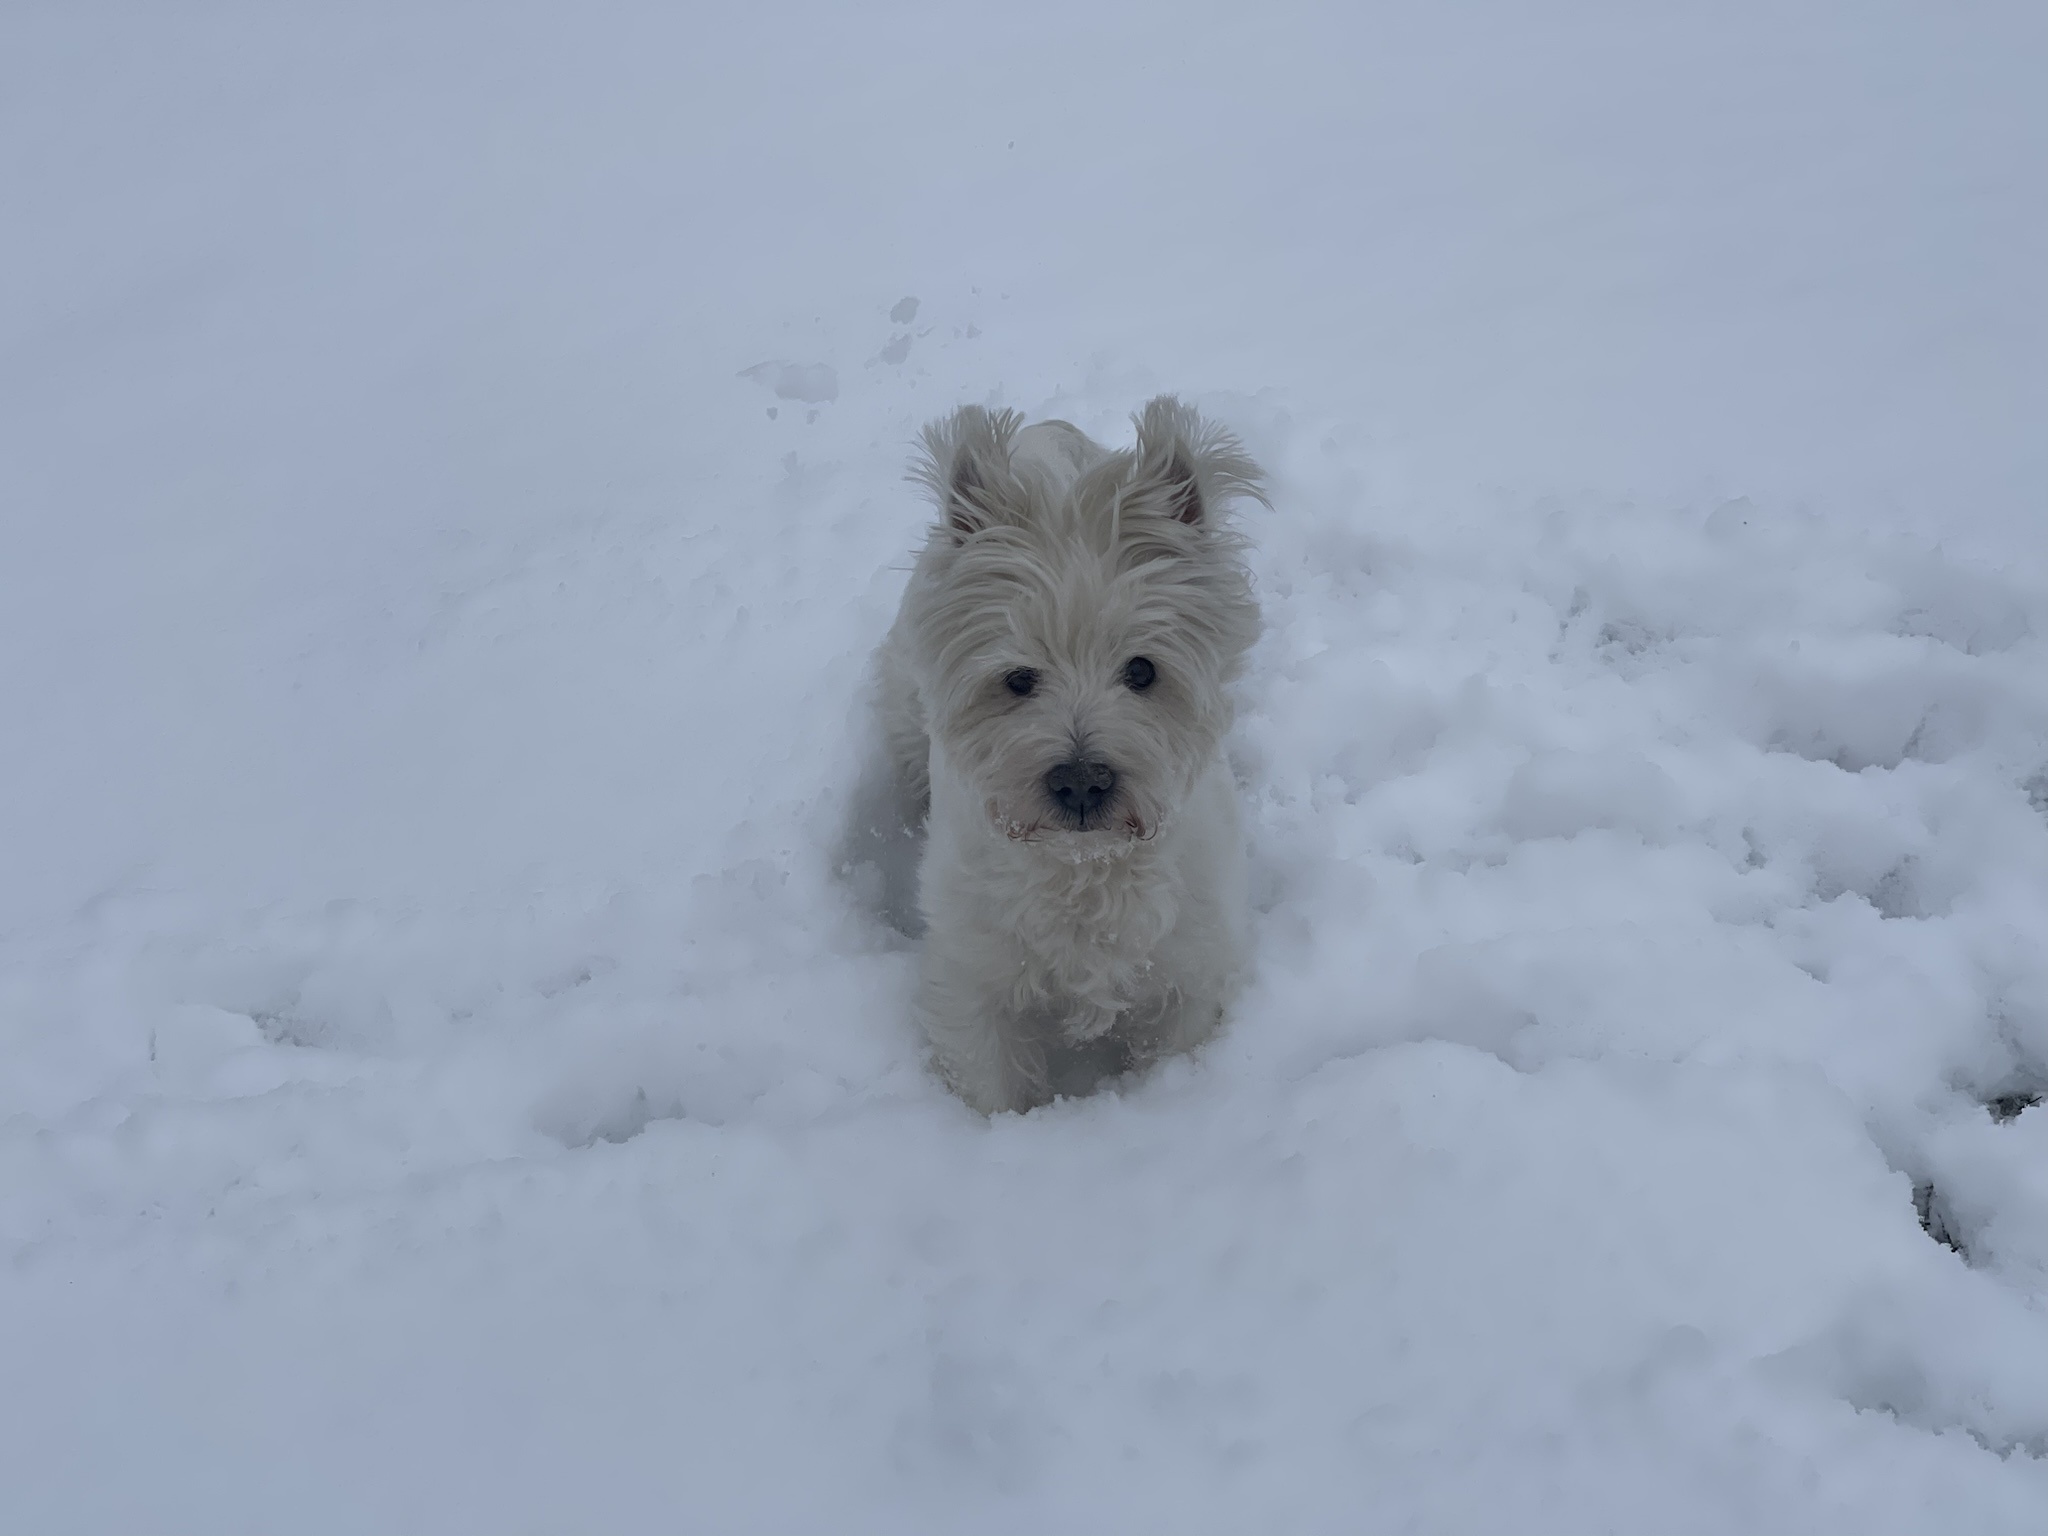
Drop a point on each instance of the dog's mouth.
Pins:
(1105, 819)
(1114, 826)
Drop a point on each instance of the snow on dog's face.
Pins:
(1077, 617)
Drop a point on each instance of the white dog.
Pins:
(1054, 699)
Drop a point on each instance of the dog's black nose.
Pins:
(1081, 789)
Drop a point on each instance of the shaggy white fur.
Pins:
(1054, 696)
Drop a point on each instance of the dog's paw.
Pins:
(1089, 1022)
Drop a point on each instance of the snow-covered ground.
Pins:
(449, 487)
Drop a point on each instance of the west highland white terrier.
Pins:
(1054, 696)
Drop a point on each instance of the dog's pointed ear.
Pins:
(1187, 468)
(966, 499)
(965, 465)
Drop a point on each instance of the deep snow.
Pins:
(451, 487)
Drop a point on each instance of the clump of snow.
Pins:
(813, 383)
(449, 1077)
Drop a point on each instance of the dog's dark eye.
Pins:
(1021, 681)
(1139, 674)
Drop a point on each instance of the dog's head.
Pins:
(1078, 616)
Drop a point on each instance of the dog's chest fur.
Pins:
(1086, 932)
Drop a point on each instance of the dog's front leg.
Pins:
(990, 1055)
